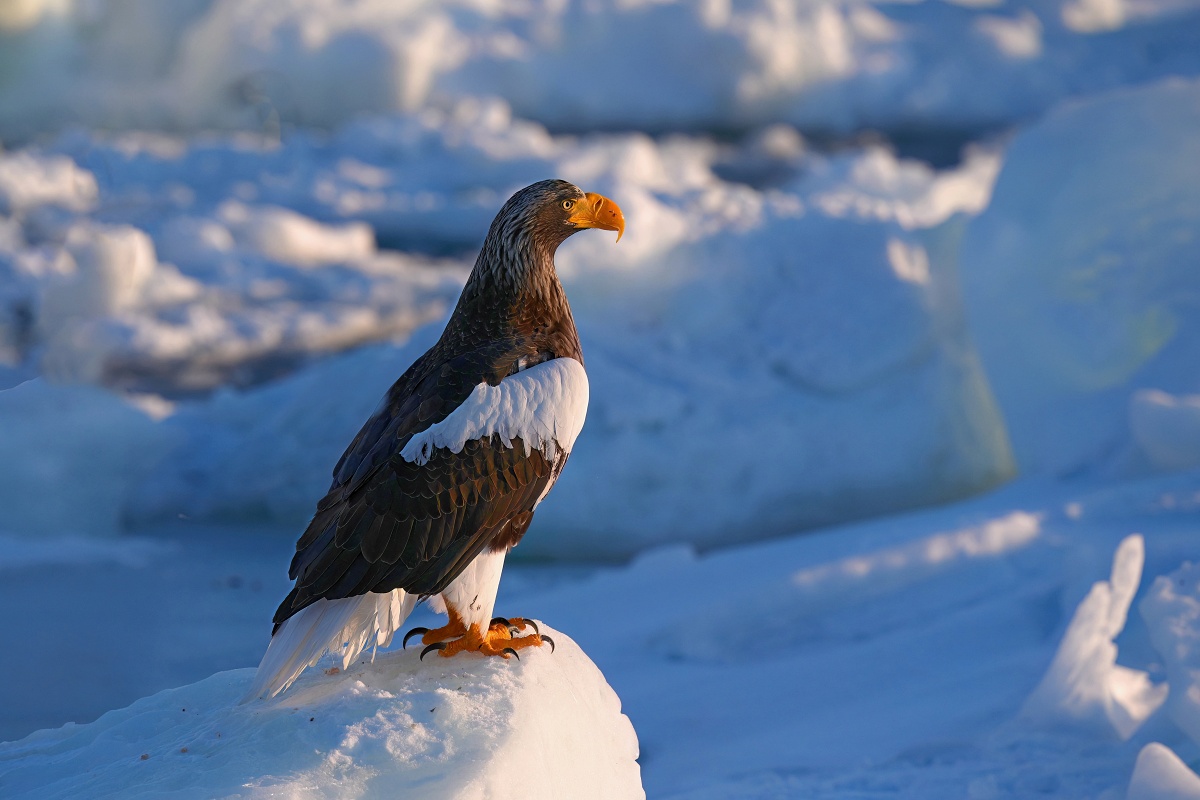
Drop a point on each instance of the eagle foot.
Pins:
(498, 640)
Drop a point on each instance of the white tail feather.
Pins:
(342, 626)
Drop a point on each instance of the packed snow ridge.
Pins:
(547, 726)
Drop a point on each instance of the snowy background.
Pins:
(890, 485)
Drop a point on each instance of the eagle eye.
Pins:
(567, 204)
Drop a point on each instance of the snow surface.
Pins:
(890, 658)
(253, 290)
(547, 726)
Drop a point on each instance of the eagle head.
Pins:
(547, 212)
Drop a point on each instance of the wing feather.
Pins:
(375, 540)
(398, 540)
(414, 551)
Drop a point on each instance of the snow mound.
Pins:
(1161, 775)
(1084, 685)
(283, 235)
(1166, 428)
(547, 726)
(28, 181)
(68, 466)
(1171, 610)
(1078, 297)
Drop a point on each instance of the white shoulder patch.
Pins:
(544, 406)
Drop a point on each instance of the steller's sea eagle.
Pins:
(443, 479)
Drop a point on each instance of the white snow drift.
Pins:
(1084, 685)
(253, 289)
(827, 300)
(547, 726)
(1081, 296)
(866, 661)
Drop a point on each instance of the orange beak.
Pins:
(597, 211)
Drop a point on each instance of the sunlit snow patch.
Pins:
(1084, 685)
(1160, 775)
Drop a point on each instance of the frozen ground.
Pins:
(966, 651)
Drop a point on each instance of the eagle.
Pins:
(444, 478)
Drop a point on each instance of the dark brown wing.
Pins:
(387, 523)
(426, 394)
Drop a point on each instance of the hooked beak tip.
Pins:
(600, 212)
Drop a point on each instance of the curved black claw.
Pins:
(497, 620)
(510, 650)
(548, 639)
(431, 648)
(534, 625)
(410, 634)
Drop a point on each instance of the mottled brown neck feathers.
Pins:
(514, 293)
